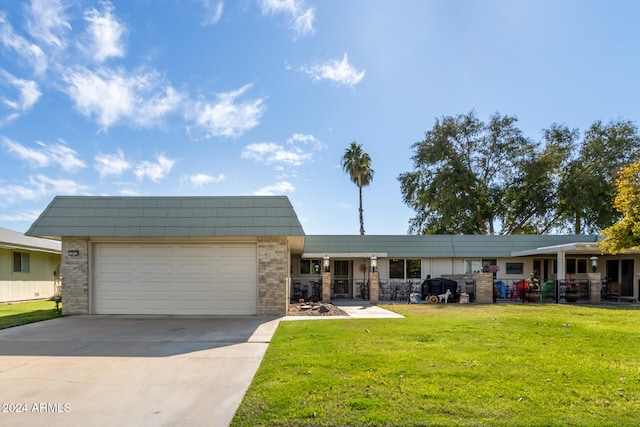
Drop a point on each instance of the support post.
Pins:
(484, 288)
(326, 287)
(595, 291)
(374, 281)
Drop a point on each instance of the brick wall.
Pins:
(374, 282)
(273, 276)
(595, 279)
(75, 275)
(484, 288)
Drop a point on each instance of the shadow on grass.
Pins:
(19, 319)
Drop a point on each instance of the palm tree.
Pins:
(357, 164)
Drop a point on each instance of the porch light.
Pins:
(594, 263)
(325, 263)
(374, 263)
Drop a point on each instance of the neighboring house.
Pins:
(29, 267)
(250, 256)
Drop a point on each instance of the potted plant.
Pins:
(532, 289)
(571, 293)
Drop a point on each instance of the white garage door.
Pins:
(175, 279)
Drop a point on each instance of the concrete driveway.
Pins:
(129, 370)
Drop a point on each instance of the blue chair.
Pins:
(502, 288)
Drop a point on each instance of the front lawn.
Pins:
(475, 365)
(21, 313)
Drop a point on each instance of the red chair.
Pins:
(521, 288)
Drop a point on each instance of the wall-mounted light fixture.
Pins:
(326, 263)
(594, 263)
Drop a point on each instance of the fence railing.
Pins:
(400, 290)
(519, 290)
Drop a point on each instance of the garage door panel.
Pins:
(175, 279)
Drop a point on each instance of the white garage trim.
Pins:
(175, 278)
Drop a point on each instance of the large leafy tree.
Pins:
(587, 190)
(472, 177)
(625, 234)
(357, 164)
(465, 170)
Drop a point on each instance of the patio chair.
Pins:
(548, 288)
(501, 287)
(520, 290)
(614, 291)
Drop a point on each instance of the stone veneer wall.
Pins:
(484, 288)
(374, 287)
(75, 275)
(273, 276)
(595, 279)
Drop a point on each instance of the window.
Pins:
(472, 265)
(515, 268)
(576, 266)
(396, 269)
(475, 265)
(309, 266)
(20, 262)
(582, 266)
(414, 269)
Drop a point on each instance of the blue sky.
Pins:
(244, 97)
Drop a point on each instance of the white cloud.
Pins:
(39, 186)
(47, 22)
(200, 180)
(105, 34)
(23, 48)
(300, 18)
(268, 152)
(303, 23)
(154, 171)
(214, 11)
(296, 153)
(29, 216)
(111, 164)
(28, 94)
(276, 189)
(141, 98)
(307, 139)
(340, 72)
(48, 154)
(227, 118)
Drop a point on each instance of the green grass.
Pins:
(465, 365)
(16, 314)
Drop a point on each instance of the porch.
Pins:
(389, 291)
(555, 291)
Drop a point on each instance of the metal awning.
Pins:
(568, 248)
(578, 248)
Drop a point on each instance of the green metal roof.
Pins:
(241, 216)
(432, 246)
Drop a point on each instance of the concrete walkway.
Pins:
(369, 312)
(360, 311)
